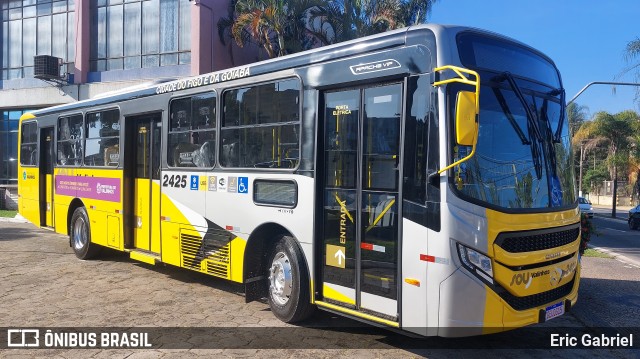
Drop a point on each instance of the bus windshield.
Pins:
(518, 163)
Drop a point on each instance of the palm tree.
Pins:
(576, 115)
(350, 19)
(632, 57)
(616, 133)
(277, 26)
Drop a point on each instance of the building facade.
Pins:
(105, 45)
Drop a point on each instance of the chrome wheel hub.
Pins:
(79, 234)
(280, 279)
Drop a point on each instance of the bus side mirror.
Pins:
(466, 124)
(467, 110)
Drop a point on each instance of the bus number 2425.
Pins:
(179, 181)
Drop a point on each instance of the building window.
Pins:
(139, 34)
(9, 120)
(192, 132)
(102, 146)
(29, 29)
(261, 126)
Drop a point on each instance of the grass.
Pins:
(593, 253)
(7, 213)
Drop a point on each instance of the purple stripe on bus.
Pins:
(102, 188)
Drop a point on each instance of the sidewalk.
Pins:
(17, 219)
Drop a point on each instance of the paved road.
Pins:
(615, 235)
(44, 285)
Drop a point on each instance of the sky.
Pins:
(585, 38)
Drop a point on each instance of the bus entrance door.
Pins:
(146, 182)
(360, 200)
(46, 177)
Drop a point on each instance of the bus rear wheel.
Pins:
(288, 282)
(80, 235)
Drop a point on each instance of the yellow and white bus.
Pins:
(419, 179)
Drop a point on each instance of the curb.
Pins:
(616, 255)
(608, 216)
(17, 219)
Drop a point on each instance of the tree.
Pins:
(616, 133)
(343, 20)
(277, 26)
(632, 57)
(576, 115)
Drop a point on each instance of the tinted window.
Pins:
(260, 126)
(491, 53)
(29, 144)
(102, 147)
(70, 136)
(192, 132)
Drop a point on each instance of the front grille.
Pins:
(518, 242)
(535, 300)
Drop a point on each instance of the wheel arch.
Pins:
(259, 244)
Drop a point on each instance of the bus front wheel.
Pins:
(80, 235)
(288, 282)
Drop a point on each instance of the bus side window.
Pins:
(70, 140)
(29, 144)
(192, 132)
(421, 154)
(261, 125)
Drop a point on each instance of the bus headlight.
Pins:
(476, 262)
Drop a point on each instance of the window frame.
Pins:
(22, 124)
(57, 130)
(86, 133)
(256, 181)
(214, 129)
(271, 124)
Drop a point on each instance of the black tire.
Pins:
(289, 298)
(80, 235)
(634, 223)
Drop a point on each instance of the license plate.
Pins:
(554, 310)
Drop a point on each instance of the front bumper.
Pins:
(474, 308)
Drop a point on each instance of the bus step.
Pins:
(145, 257)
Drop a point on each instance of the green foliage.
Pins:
(283, 27)
(587, 229)
(594, 176)
(596, 254)
(613, 132)
(576, 115)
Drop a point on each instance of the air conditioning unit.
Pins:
(46, 67)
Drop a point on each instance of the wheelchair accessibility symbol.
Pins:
(243, 184)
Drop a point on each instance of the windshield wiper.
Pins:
(507, 112)
(559, 91)
(535, 136)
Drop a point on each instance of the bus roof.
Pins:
(389, 39)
